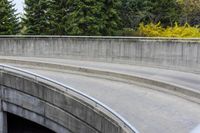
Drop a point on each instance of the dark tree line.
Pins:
(71, 17)
(9, 23)
(165, 11)
(94, 17)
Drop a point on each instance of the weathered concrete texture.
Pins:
(3, 120)
(34, 117)
(179, 83)
(181, 54)
(22, 96)
(150, 111)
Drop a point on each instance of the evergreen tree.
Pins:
(134, 12)
(111, 17)
(58, 16)
(165, 11)
(190, 12)
(92, 17)
(9, 24)
(35, 20)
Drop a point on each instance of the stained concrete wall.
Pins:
(3, 120)
(51, 107)
(180, 54)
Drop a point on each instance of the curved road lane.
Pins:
(148, 110)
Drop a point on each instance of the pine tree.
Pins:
(92, 17)
(9, 22)
(133, 12)
(85, 18)
(35, 20)
(58, 16)
(111, 17)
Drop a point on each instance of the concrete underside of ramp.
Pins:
(50, 106)
(18, 124)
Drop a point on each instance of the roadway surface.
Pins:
(190, 80)
(150, 111)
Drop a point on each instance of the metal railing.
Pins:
(97, 104)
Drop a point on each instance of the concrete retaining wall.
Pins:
(180, 54)
(51, 107)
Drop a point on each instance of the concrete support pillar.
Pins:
(3, 120)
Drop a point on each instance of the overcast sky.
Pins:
(19, 5)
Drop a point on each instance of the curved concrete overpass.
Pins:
(54, 105)
(150, 98)
(148, 107)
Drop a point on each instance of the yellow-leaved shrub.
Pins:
(156, 30)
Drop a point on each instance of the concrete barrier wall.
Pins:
(51, 107)
(180, 54)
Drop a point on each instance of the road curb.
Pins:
(160, 85)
